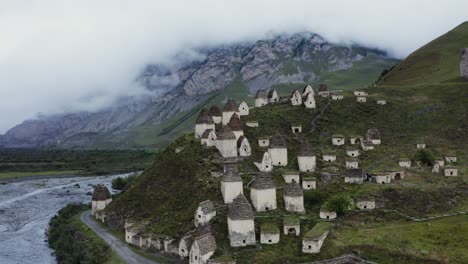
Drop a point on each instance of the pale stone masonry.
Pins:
(327, 214)
(263, 142)
(204, 121)
(365, 203)
(450, 171)
(373, 135)
(241, 222)
(261, 98)
(309, 183)
(323, 90)
(307, 89)
(209, 138)
(243, 109)
(263, 193)
(226, 142)
(464, 63)
(313, 240)
(229, 109)
(294, 198)
(355, 176)
(263, 161)
(273, 96)
(243, 146)
(405, 163)
(269, 234)
(203, 247)
(306, 158)
(291, 176)
(236, 126)
(278, 151)
(296, 98)
(338, 140)
(205, 212)
(101, 199)
(231, 186)
(309, 101)
(216, 114)
(291, 226)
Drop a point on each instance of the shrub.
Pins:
(425, 157)
(339, 204)
(71, 245)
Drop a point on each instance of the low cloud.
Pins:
(61, 55)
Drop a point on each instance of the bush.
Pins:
(425, 157)
(339, 204)
(121, 183)
(71, 245)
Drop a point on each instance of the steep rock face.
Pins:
(285, 59)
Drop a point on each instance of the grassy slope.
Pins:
(361, 74)
(168, 192)
(435, 62)
(433, 110)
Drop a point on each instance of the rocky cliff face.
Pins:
(297, 58)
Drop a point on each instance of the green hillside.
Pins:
(159, 136)
(167, 194)
(435, 62)
(432, 109)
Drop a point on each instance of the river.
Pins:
(26, 208)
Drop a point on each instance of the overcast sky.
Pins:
(60, 56)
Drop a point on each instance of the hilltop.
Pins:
(234, 71)
(435, 62)
(166, 195)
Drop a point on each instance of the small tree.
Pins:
(339, 204)
(425, 157)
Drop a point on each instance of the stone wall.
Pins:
(464, 63)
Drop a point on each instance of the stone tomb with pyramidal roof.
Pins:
(241, 222)
(263, 193)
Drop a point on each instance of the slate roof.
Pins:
(101, 193)
(323, 87)
(261, 94)
(204, 117)
(235, 123)
(207, 207)
(354, 173)
(240, 209)
(206, 243)
(239, 141)
(230, 106)
(295, 92)
(215, 111)
(306, 150)
(271, 92)
(277, 141)
(305, 88)
(373, 133)
(206, 134)
(231, 176)
(226, 133)
(259, 156)
(263, 182)
(293, 190)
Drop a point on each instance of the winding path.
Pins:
(116, 244)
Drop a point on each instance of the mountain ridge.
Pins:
(283, 60)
